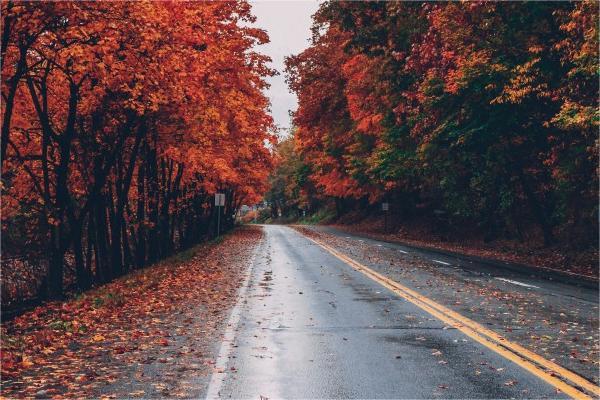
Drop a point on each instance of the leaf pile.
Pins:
(145, 334)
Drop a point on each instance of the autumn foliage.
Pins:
(153, 327)
(120, 120)
(485, 113)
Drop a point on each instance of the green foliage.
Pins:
(487, 112)
(288, 182)
(322, 216)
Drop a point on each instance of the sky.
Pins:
(288, 24)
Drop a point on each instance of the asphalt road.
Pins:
(556, 318)
(468, 267)
(307, 325)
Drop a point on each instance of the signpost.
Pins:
(219, 202)
(385, 207)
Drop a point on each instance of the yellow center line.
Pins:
(561, 378)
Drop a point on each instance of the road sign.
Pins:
(385, 206)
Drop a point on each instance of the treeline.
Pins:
(484, 114)
(120, 120)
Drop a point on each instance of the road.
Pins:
(310, 324)
(553, 316)
(468, 266)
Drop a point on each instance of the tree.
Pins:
(120, 122)
(484, 112)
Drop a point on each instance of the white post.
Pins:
(219, 202)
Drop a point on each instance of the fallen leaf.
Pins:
(98, 338)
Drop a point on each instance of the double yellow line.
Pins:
(561, 378)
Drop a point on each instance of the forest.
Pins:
(428, 227)
(120, 120)
(473, 116)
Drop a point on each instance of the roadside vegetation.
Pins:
(476, 122)
(120, 121)
(159, 326)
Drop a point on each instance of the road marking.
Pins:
(441, 262)
(561, 378)
(402, 251)
(220, 373)
(517, 283)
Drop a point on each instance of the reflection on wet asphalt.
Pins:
(556, 319)
(312, 327)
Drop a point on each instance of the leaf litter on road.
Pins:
(566, 332)
(143, 335)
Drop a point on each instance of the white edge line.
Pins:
(220, 369)
(517, 283)
(441, 262)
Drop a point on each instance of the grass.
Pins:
(322, 216)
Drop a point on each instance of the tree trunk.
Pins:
(82, 274)
(140, 250)
(10, 101)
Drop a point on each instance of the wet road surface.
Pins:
(555, 318)
(470, 267)
(309, 326)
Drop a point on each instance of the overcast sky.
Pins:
(288, 24)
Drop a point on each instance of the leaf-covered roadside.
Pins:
(142, 335)
(578, 262)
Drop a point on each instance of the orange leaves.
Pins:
(365, 96)
(98, 338)
(319, 75)
(223, 113)
(26, 362)
(97, 86)
(450, 104)
(166, 316)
